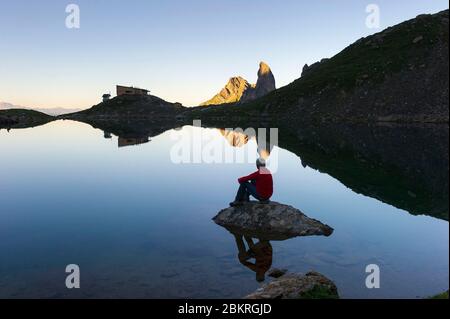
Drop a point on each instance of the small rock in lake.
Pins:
(295, 286)
(276, 273)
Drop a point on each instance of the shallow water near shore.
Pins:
(139, 225)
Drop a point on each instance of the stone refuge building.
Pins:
(129, 90)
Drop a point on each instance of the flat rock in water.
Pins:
(270, 221)
(295, 286)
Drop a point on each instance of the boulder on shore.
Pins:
(270, 221)
(296, 286)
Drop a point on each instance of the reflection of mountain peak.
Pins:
(235, 139)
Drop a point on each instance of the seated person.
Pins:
(258, 184)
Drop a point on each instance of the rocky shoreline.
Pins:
(312, 285)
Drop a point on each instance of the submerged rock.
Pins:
(276, 273)
(295, 286)
(270, 221)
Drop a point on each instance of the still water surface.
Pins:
(139, 225)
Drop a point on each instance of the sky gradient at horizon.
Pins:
(183, 51)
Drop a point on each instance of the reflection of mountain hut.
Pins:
(127, 141)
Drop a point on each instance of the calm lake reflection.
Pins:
(139, 225)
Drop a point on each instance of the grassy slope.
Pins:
(443, 295)
(374, 58)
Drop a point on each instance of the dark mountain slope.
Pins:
(400, 74)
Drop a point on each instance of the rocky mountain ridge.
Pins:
(397, 75)
(240, 90)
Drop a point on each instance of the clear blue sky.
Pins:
(182, 51)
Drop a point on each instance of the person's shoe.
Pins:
(236, 203)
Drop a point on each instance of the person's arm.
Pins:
(249, 177)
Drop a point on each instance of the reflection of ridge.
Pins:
(402, 165)
(235, 139)
(129, 141)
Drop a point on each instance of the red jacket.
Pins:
(264, 182)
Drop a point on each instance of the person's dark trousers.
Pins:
(245, 190)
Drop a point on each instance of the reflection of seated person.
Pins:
(261, 251)
(258, 184)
